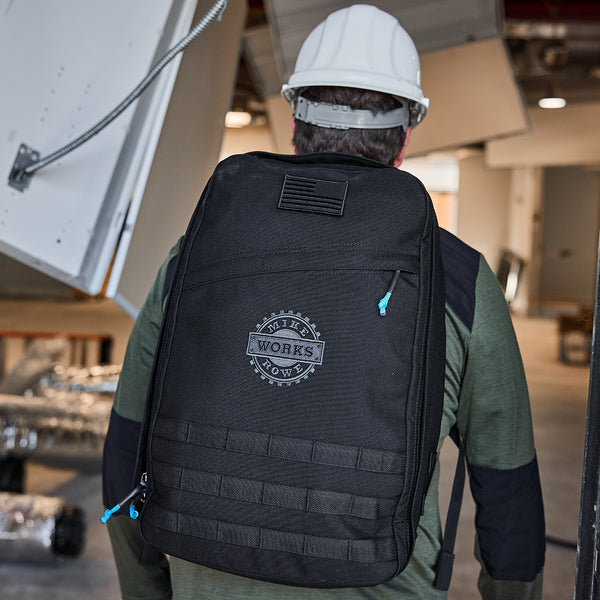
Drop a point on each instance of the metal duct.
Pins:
(39, 358)
(100, 379)
(39, 528)
(60, 425)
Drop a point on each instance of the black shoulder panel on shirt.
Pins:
(461, 266)
(510, 520)
(118, 464)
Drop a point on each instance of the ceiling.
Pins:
(554, 45)
(433, 24)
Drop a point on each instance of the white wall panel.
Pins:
(483, 206)
(64, 66)
(473, 97)
(559, 137)
(187, 152)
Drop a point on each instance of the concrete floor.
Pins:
(558, 393)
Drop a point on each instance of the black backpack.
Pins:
(294, 410)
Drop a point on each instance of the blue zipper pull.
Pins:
(382, 305)
(138, 491)
(109, 512)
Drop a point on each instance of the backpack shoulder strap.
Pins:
(446, 557)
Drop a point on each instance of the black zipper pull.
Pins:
(138, 491)
(136, 503)
(384, 301)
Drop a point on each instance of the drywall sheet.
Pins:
(186, 154)
(473, 97)
(65, 65)
(559, 137)
(465, 69)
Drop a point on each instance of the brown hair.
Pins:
(380, 144)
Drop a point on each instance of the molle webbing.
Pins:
(270, 494)
(361, 551)
(285, 448)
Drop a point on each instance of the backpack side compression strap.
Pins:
(446, 557)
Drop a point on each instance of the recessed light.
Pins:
(552, 102)
(237, 119)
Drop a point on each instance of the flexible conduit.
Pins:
(215, 11)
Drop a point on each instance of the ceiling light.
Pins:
(552, 102)
(553, 98)
(237, 119)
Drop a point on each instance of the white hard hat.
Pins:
(361, 47)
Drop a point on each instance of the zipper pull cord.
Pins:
(139, 490)
(133, 512)
(382, 305)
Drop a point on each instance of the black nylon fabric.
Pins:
(509, 508)
(281, 472)
(461, 266)
(283, 448)
(275, 366)
(271, 494)
(356, 551)
(120, 448)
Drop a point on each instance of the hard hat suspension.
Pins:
(338, 116)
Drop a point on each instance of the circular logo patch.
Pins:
(285, 348)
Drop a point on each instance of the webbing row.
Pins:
(364, 551)
(270, 494)
(277, 446)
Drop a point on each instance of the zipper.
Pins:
(419, 421)
(324, 259)
(165, 339)
(382, 305)
(137, 494)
